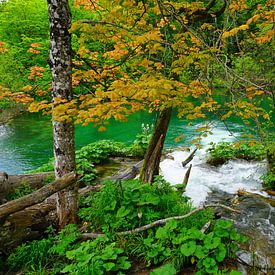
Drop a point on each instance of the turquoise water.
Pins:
(26, 142)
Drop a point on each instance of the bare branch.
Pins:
(160, 222)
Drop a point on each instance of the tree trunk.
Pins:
(153, 154)
(63, 132)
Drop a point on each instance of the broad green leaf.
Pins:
(122, 212)
(149, 199)
(162, 233)
(109, 266)
(167, 269)
(220, 253)
(188, 249)
(199, 253)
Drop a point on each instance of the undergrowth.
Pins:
(124, 206)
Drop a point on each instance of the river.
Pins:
(26, 142)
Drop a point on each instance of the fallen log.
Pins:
(37, 196)
(8, 183)
(31, 222)
(189, 158)
(26, 225)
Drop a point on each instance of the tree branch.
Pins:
(86, 236)
(189, 158)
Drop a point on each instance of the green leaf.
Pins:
(188, 249)
(220, 253)
(109, 266)
(167, 269)
(149, 199)
(200, 252)
(225, 224)
(234, 235)
(209, 262)
(195, 233)
(122, 212)
(212, 242)
(111, 205)
(124, 264)
(173, 224)
(162, 233)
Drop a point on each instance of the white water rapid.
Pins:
(230, 177)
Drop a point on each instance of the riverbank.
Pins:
(8, 114)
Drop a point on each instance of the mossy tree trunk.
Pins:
(63, 132)
(153, 154)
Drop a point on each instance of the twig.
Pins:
(160, 222)
(205, 227)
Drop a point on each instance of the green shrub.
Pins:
(223, 151)
(22, 190)
(126, 205)
(140, 144)
(96, 257)
(32, 256)
(269, 180)
(182, 246)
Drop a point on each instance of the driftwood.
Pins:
(37, 196)
(86, 236)
(129, 173)
(26, 225)
(8, 183)
(187, 175)
(189, 158)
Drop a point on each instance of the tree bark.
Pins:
(153, 154)
(63, 132)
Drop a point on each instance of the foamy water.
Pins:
(230, 177)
